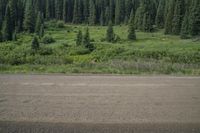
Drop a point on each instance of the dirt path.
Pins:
(99, 99)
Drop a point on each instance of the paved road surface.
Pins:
(102, 104)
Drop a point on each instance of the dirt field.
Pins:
(99, 104)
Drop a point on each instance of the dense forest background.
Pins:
(178, 17)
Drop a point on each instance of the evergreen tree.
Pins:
(39, 23)
(110, 36)
(59, 9)
(131, 30)
(185, 26)
(29, 20)
(65, 9)
(86, 40)
(48, 9)
(92, 15)
(178, 16)
(14, 36)
(6, 30)
(79, 38)
(160, 18)
(13, 14)
(107, 15)
(119, 12)
(86, 10)
(102, 19)
(144, 18)
(1, 37)
(112, 10)
(41, 33)
(77, 13)
(35, 43)
(169, 18)
(195, 18)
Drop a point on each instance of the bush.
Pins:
(60, 24)
(48, 39)
(45, 51)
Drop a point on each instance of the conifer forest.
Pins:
(100, 36)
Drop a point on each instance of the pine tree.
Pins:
(185, 26)
(102, 19)
(39, 23)
(79, 38)
(119, 12)
(59, 9)
(131, 30)
(86, 10)
(169, 18)
(178, 16)
(160, 18)
(107, 15)
(86, 40)
(41, 33)
(92, 16)
(35, 43)
(48, 9)
(13, 14)
(77, 13)
(14, 36)
(144, 17)
(6, 30)
(111, 10)
(1, 37)
(110, 33)
(194, 22)
(29, 20)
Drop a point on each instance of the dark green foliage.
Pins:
(35, 45)
(39, 23)
(86, 40)
(77, 12)
(6, 30)
(41, 33)
(131, 30)
(92, 14)
(144, 18)
(13, 13)
(1, 37)
(168, 14)
(185, 26)
(14, 36)
(169, 18)
(119, 12)
(59, 9)
(195, 18)
(79, 38)
(60, 24)
(178, 16)
(160, 16)
(47, 39)
(110, 36)
(29, 20)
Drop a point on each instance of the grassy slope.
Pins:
(152, 53)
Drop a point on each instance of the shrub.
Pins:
(45, 51)
(48, 39)
(60, 24)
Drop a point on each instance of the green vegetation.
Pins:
(151, 53)
(100, 36)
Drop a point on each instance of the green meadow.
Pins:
(151, 53)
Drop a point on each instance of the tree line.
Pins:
(177, 17)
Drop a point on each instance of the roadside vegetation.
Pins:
(100, 36)
(61, 50)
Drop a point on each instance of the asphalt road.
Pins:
(99, 104)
